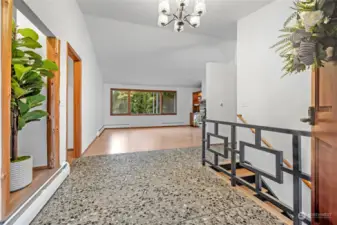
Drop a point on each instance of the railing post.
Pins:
(216, 159)
(297, 183)
(216, 128)
(258, 183)
(258, 137)
(233, 155)
(225, 152)
(203, 157)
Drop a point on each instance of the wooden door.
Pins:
(324, 145)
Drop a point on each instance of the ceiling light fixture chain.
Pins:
(181, 16)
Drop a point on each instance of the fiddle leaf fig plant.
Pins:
(28, 76)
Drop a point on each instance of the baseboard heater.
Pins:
(28, 210)
(116, 126)
(100, 131)
(174, 123)
(108, 126)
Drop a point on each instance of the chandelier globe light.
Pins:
(180, 16)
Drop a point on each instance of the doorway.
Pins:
(48, 151)
(74, 104)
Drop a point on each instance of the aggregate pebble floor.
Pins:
(162, 187)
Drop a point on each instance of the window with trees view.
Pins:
(143, 102)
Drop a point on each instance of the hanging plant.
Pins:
(309, 36)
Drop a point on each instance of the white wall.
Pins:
(184, 107)
(70, 131)
(221, 96)
(264, 98)
(203, 87)
(227, 50)
(66, 21)
(33, 137)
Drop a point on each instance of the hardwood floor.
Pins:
(70, 156)
(113, 141)
(19, 197)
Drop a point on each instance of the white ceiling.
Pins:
(131, 49)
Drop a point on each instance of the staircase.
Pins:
(245, 176)
(249, 176)
(267, 143)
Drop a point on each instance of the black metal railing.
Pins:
(298, 175)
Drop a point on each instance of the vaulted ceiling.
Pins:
(131, 49)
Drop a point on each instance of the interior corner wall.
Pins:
(99, 104)
(220, 96)
(266, 99)
(32, 139)
(203, 87)
(65, 19)
(184, 108)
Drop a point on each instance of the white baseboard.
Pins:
(28, 211)
(111, 126)
(100, 131)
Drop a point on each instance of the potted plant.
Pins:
(309, 36)
(28, 75)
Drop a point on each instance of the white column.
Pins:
(221, 96)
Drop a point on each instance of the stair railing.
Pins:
(286, 162)
(231, 146)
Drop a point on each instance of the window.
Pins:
(120, 101)
(143, 102)
(169, 102)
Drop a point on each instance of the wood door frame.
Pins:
(53, 106)
(77, 100)
(314, 103)
(6, 57)
(53, 53)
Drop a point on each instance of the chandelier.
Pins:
(181, 16)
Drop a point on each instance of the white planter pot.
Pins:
(21, 174)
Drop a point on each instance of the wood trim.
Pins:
(286, 162)
(77, 100)
(142, 90)
(6, 57)
(53, 106)
(111, 101)
(41, 168)
(77, 108)
(314, 143)
(72, 53)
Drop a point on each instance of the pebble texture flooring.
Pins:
(158, 187)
